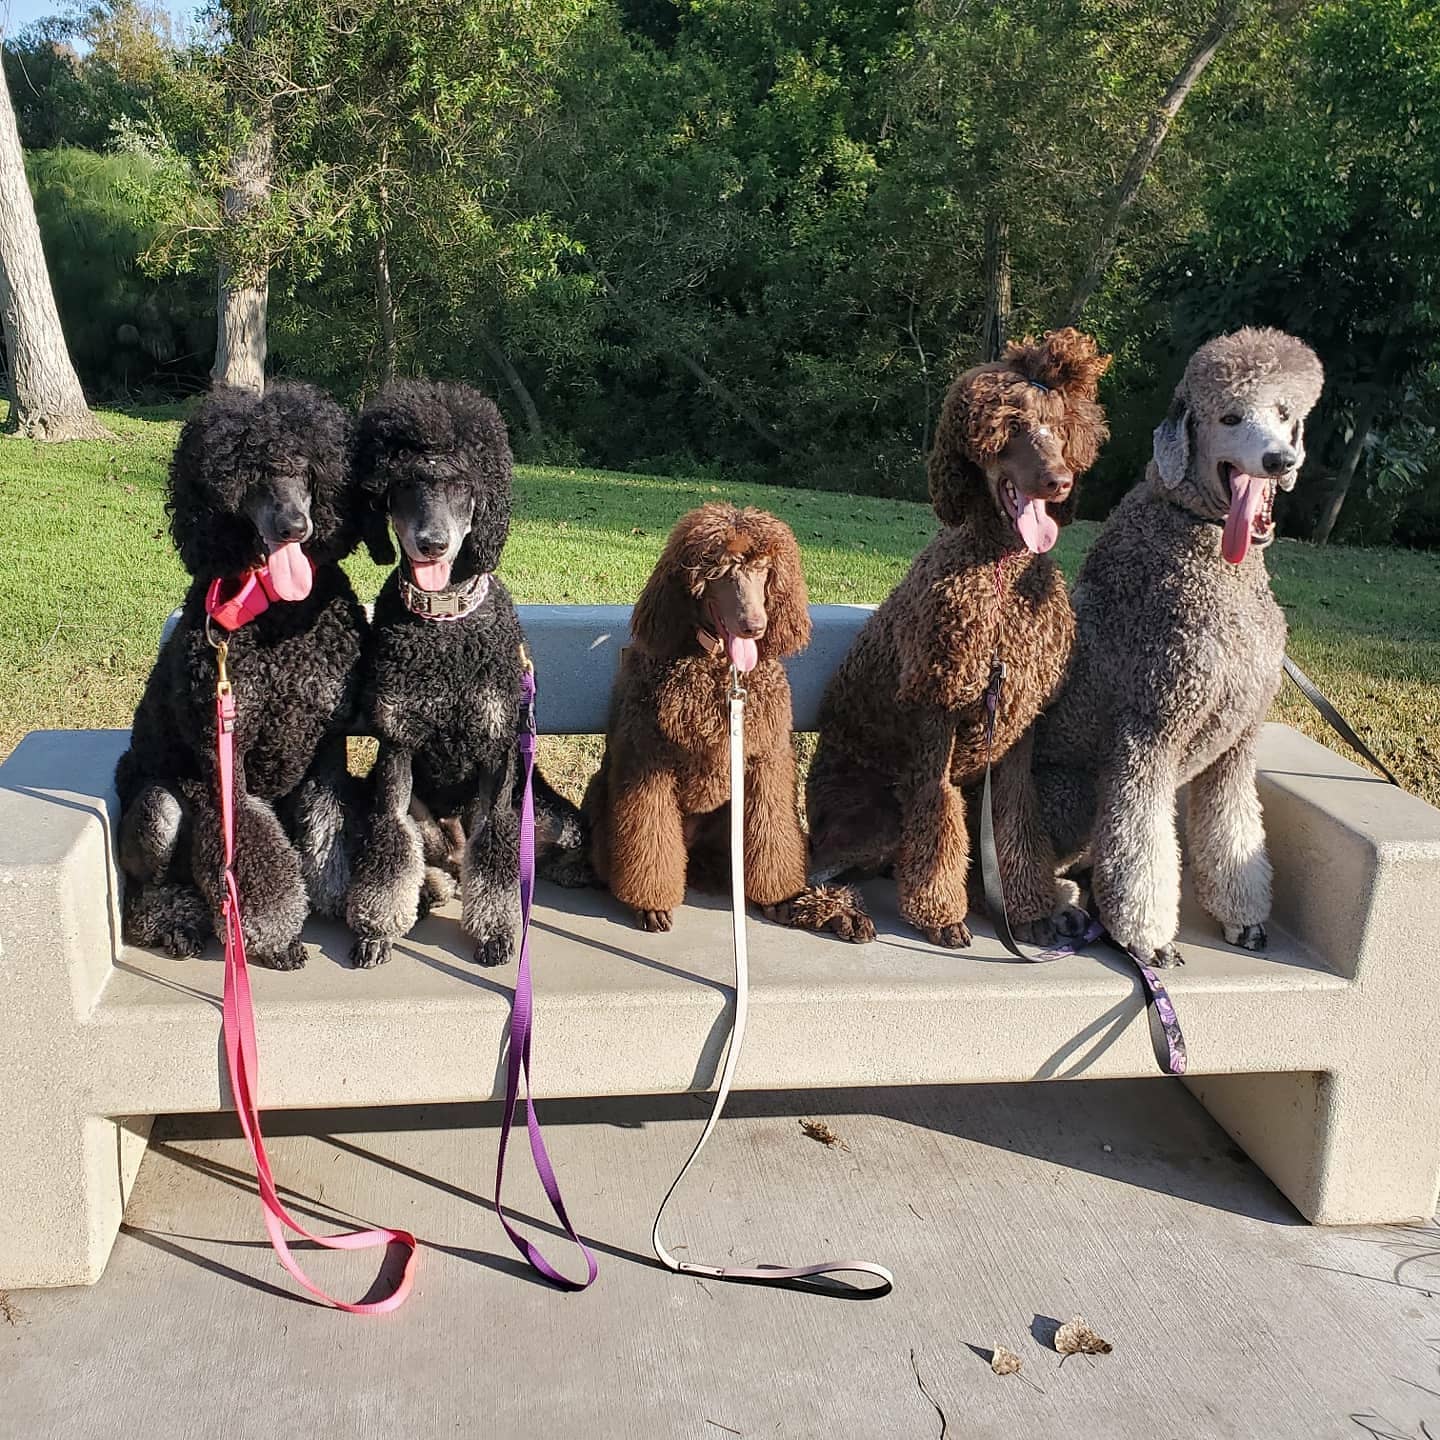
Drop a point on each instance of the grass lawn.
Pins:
(89, 575)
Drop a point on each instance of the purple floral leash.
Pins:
(1167, 1040)
(522, 1017)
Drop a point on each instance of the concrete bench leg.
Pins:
(1354, 1138)
(64, 1172)
(64, 1180)
(1345, 1150)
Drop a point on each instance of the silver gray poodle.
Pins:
(1178, 654)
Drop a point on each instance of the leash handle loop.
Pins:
(522, 1024)
(241, 1058)
(794, 1275)
(1166, 1038)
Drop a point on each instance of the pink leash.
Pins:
(240, 1050)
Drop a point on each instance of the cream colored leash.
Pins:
(763, 1274)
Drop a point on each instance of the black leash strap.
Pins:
(1166, 1038)
(1336, 721)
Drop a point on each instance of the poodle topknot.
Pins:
(1052, 382)
(427, 431)
(1248, 368)
(237, 443)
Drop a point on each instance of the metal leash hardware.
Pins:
(1166, 1038)
(806, 1277)
(1335, 720)
(241, 1048)
(522, 1023)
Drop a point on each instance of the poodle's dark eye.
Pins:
(1284, 411)
(1231, 419)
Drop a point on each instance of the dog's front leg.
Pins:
(1227, 841)
(646, 849)
(1040, 909)
(273, 901)
(934, 856)
(383, 902)
(490, 871)
(322, 816)
(1137, 851)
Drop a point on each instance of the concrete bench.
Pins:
(1320, 1056)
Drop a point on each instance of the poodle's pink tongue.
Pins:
(1037, 527)
(431, 574)
(744, 654)
(1247, 495)
(291, 572)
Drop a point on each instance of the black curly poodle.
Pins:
(442, 671)
(259, 487)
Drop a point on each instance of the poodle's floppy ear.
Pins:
(485, 444)
(663, 619)
(375, 526)
(787, 604)
(1172, 443)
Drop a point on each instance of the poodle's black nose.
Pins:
(291, 523)
(432, 546)
(1277, 462)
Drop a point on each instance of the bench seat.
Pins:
(1319, 1056)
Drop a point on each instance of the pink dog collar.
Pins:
(253, 591)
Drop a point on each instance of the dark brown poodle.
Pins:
(902, 724)
(728, 589)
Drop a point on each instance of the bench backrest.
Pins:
(577, 649)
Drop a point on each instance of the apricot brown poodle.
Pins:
(902, 724)
(728, 589)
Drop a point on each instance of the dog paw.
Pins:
(1247, 937)
(655, 920)
(952, 937)
(830, 909)
(494, 951)
(367, 954)
(291, 958)
(1042, 932)
(570, 872)
(1166, 957)
(183, 942)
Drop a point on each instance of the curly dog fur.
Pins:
(433, 460)
(1179, 654)
(246, 469)
(902, 723)
(659, 804)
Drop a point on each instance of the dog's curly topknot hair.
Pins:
(439, 430)
(236, 435)
(704, 545)
(1052, 381)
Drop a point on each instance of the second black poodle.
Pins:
(259, 494)
(442, 674)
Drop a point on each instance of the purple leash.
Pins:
(1166, 1038)
(522, 1015)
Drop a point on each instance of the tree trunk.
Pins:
(1227, 18)
(995, 330)
(1345, 475)
(384, 291)
(518, 388)
(722, 392)
(244, 284)
(47, 401)
(385, 306)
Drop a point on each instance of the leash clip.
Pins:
(222, 653)
(998, 673)
(737, 690)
